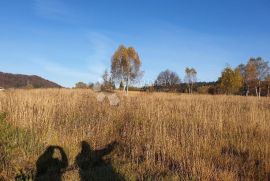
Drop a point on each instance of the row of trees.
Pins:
(245, 79)
(249, 78)
(170, 81)
(106, 85)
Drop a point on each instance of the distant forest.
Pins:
(202, 88)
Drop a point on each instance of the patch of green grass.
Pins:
(16, 144)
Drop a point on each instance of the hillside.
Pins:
(8, 80)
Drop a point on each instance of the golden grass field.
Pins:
(160, 136)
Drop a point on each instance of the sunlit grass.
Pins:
(160, 135)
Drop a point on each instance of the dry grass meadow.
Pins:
(160, 136)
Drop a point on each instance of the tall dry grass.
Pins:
(161, 136)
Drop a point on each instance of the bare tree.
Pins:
(190, 78)
(167, 79)
(242, 68)
(125, 66)
(108, 84)
(81, 85)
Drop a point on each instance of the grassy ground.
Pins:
(17, 147)
(157, 136)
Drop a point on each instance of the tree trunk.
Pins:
(189, 89)
(256, 89)
(268, 90)
(259, 89)
(124, 88)
(259, 93)
(127, 87)
(247, 91)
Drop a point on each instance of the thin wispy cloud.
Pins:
(101, 51)
(181, 47)
(53, 9)
(57, 72)
(90, 68)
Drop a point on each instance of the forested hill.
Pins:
(8, 80)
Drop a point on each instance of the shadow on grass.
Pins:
(51, 168)
(92, 165)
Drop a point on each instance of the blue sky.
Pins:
(67, 41)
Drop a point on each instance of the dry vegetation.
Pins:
(160, 136)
